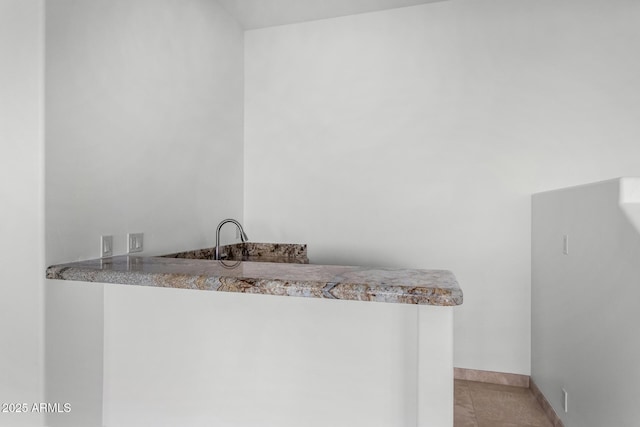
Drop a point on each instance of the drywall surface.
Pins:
(74, 352)
(222, 359)
(143, 134)
(414, 137)
(261, 13)
(22, 208)
(585, 304)
(144, 124)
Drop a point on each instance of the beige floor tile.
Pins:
(506, 407)
(497, 387)
(464, 421)
(493, 405)
(462, 395)
(463, 414)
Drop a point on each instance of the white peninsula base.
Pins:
(175, 357)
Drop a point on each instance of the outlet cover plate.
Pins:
(135, 242)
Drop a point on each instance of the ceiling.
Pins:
(267, 13)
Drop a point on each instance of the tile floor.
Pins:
(491, 405)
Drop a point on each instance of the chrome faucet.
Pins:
(243, 235)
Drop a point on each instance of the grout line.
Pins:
(473, 405)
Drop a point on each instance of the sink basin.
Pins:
(250, 251)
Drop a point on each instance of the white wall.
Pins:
(585, 304)
(144, 124)
(414, 138)
(74, 352)
(22, 211)
(143, 134)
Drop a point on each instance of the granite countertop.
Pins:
(192, 270)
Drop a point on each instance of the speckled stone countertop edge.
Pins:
(418, 287)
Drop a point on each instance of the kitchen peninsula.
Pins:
(363, 346)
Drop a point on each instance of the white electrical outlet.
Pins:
(106, 246)
(565, 244)
(565, 400)
(135, 242)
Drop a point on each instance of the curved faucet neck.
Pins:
(243, 235)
